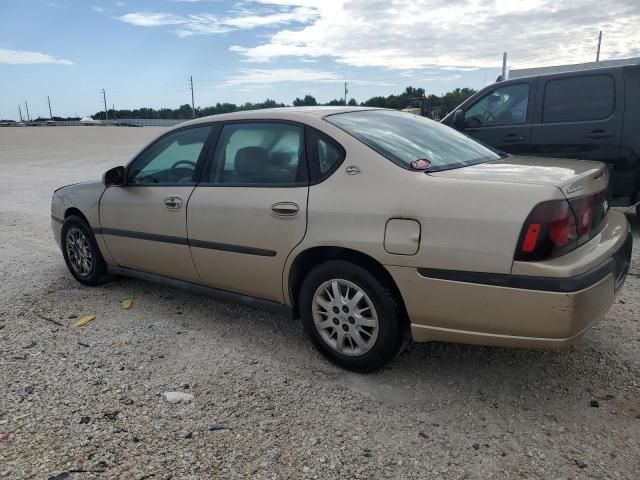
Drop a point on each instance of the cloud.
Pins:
(23, 57)
(261, 77)
(97, 9)
(460, 34)
(240, 18)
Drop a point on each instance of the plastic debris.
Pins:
(178, 397)
(127, 303)
(84, 320)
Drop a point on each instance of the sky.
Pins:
(142, 52)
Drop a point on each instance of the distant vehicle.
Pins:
(50, 123)
(588, 114)
(90, 121)
(374, 226)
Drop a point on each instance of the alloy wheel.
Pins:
(79, 252)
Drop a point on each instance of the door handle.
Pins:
(172, 203)
(599, 134)
(513, 138)
(285, 209)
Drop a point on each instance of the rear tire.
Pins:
(351, 317)
(81, 252)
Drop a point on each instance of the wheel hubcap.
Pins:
(79, 252)
(345, 317)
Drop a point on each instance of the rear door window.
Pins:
(576, 99)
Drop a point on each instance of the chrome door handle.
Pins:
(172, 203)
(285, 209)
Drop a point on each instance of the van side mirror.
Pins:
(458, 120)
(115, 177)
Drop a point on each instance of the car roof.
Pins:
(282, 113)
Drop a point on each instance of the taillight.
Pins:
(556, 227)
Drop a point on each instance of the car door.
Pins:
(144, 222)
(502, 117)
(250, 210)
(579, 115)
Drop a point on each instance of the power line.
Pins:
(193, 103)
(104, 97)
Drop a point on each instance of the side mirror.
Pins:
(458, 120)
(116, 177)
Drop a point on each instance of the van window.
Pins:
(575, 99)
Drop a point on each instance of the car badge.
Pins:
(420, 164)
(605, 206)
(352, 170)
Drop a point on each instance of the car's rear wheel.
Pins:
(81, 252)
(351, 316)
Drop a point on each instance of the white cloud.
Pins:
(23, 57)
(97, 9)
(210, 24)
(413, 34)
(261, 77)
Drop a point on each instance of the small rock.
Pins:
(73, 316)
(476, 446)
(189, 435)
(84, 420)
(135, 439)
(31, 344)
(178, 397)
(216, 427)
(595, 403)
(111, 416)
(82, 344)
(580, 463)
(61, 476)
(28, 389)
(423, 435)
(305, 469)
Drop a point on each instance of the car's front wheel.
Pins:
(81, 252)
(351, 317)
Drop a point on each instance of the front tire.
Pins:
(352, 318)
(81, 252)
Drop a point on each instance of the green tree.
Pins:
(307, 101)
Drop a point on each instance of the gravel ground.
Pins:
(90, 401)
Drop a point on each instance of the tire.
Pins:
(364, 348)
(83, 259)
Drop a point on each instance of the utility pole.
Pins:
(104, 97)
(345, 92)
(599, 43)
(193, 103)
(113, 109)
(27, 107)
(20, 112)
(504, 66)
(49, 102)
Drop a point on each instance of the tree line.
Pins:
(411, 97)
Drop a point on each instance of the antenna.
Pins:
(345, 92)
(599, 43)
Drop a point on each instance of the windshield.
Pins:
(404, 138)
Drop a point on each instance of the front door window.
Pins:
(503, 106)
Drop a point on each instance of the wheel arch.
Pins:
(306, 260)
(77, 212)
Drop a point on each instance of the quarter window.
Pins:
(259, 153)
(170, 160)
(575, 99)
(504, 106)
(323, 153)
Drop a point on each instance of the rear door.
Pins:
(250, 210)
(502, 117)
(144, 223)
(579, 115)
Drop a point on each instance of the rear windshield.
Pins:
(404, 137)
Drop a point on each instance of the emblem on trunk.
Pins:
(352, 170)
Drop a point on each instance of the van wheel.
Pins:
(351, 317)
(81, 252)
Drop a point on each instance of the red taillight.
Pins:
(556, 227)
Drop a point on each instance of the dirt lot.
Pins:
(90, 401)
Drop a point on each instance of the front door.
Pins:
(250, 210)
(144, 223)
(502, 117)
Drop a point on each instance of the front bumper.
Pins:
(514, 310)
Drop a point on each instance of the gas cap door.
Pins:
(402, 236)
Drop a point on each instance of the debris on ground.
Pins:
(127, 303)
(84, 320)
(178, 397)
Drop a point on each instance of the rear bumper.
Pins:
(513, 310)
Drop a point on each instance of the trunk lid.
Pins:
(575, 178)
